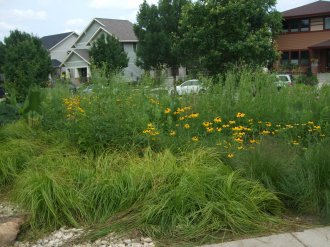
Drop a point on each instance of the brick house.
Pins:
(305, 40)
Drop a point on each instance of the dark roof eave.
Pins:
(306, 16)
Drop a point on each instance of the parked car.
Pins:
(188, 87)
(283, 80)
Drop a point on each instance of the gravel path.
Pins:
(65, 237)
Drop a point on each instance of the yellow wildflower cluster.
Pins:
(73, 106)
(151, 130)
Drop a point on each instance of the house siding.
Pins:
(301, 41)
(82, 42)
(60, 52)
(132, 72)
(316, 24)
(75, 62)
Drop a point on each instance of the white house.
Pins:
(77, 62)
(58, 46)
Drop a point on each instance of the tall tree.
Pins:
(27, 62)
(157, 29)
(220, 34)
(2, 56)
(108, 52)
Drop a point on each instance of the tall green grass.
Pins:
(185, 197)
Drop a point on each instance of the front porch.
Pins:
(320, 57)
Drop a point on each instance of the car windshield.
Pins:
(283, 78)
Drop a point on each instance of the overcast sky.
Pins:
(46, 17)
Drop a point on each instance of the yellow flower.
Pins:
(187, 108)
(237, 128)
(207, 124)
(167, 111)
(310, 123)
(186, 126)
(253, 141)
(239, 140)
(219, 129)
(217, 120)
(172, 133)
(193, 115)
(231, 155)
(295, 143)
(317, 127)
(265, 132)
(146, 131)
(240, 148)
(195, 139)
(240, 115)
(150, 125)
(268, 124)
(232, 122)
(225, 126)
(181, 118)
(209, 129)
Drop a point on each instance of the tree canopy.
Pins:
(27, 62)
(220, 34)
(2, 56)
(157, 29)
(107, 52)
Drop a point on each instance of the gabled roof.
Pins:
(324, 44)
(49, 42)
(313, 9)
(82, 53)
(56, 63)
(121, 29)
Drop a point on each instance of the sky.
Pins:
(47, 17)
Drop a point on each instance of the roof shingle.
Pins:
(122, 29)
(312, 9)
(52, 40)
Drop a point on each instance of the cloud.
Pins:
(28, 14)
(76, 25)
(123, 4)
(6, 26)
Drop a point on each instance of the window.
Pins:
(304, 25)
(327, 23)
(297, 25)
(304, 58)
(285, 58)
(285, 26)
(295, 57)
(294, 25)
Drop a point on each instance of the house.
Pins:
(305, 39)
(78, 63)
(58, 46)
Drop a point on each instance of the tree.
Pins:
(108, 52)
(157, 29)
(2, 56)
(220, 34)
(27, 62)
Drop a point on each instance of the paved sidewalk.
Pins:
(318, 237)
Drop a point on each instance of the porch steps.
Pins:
(323, 78)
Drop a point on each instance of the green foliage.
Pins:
(8, 113)
(27, 62)
(107, 52)
(218, 35)
(2, 56)
(157, 29)
(186, 197)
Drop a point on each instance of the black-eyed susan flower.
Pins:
(195, 139)
(231, 155)
(186, 126)
(172, 133)
(167, 110)
(217, 120)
